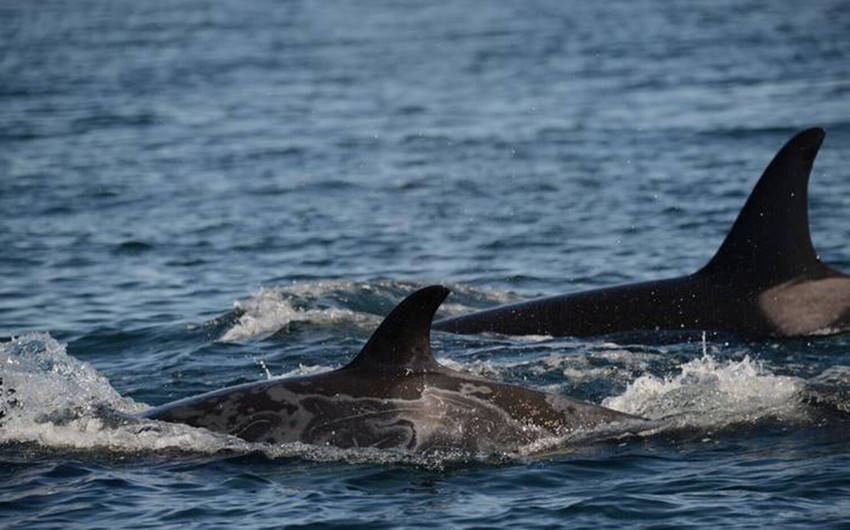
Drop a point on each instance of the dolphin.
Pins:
(393, 395)
(765, 280)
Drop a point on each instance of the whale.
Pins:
(765, 280)
(393, 395)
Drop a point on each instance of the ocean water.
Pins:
(197, 194)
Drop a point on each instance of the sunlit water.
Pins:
(195, 196)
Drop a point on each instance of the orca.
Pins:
(765, 280)
(393, 395)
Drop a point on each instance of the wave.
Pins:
(707, 395)
(50, 400)
(325, 303)
(53, 400)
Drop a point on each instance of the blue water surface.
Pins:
(196, 194)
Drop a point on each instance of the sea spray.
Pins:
(707, 393)
(53, 400)
(274, 309)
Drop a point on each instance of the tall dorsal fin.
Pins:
(770, 242)
(403, 340)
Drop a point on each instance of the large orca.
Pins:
(394, 394)
(765, 280)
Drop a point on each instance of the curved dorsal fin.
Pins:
(403, 340)
(770, 242)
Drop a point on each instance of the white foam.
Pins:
(37, 369)
(707, 393)
(54, 400)
(271, 310)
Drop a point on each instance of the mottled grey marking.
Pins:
(765, 280)
(392, 395)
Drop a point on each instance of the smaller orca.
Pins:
(393, 395)
(765, 280)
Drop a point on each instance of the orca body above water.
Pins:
(765, 280)
(393, 395)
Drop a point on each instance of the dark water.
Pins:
(314, 162)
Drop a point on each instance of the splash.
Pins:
(272, 310)
(53, 400)
(710, 394)
(275, 309)
(39, 375)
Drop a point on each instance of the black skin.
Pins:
(765, 280)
